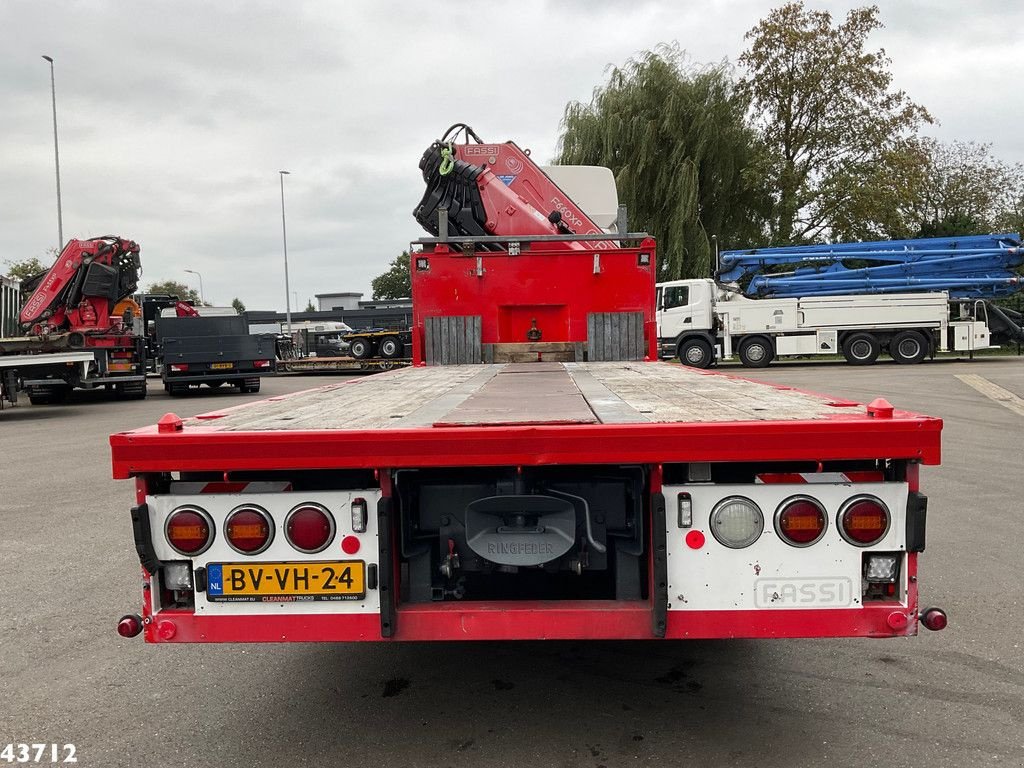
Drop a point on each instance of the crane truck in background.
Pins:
(80, 327)
(909, 298)
(536, 474)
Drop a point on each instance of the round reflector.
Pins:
(800, 521)
(736, 522)
(863, 520)
(309, 528)
(189, 531)
(249, 530)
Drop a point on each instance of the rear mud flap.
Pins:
(659, 564)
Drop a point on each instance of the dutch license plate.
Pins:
(285, 582)
(221, 366)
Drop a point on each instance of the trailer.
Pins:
(591, 493)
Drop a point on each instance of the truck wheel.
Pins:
(390, 347)
(908, 347)
(249, 386)
(861, 349)
(176, 390)
(756, 352)
(696, 353)
(131, 390)
(360, 349)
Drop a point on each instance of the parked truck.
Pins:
(212, 347)
(916, 298)
(78, 326)
(592, 492)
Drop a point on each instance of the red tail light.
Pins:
(261, 363)
(179, 367)
(800, 521)
(249, 530)
(309, 528)
(189, 531)
(863, 521)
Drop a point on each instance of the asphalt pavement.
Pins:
(955, 698)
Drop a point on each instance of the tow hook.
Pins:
(129, 625)
(933, 619)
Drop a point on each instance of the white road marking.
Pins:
(994, 392)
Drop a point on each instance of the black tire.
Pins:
(390, 347)
(908, 347)
(756, 352)
(861, 349)
(696, 353)
(249, 386)
(360, 348)
(176, 390)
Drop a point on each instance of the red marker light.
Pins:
(934, 619)
(129, 626)
(695, 539)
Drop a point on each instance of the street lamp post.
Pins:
(202, 293)
(56, 156)
(284, 237)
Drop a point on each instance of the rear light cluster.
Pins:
(800, 521)
(249, 529)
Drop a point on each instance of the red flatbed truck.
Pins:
(537, 474)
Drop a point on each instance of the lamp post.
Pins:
(56, 156)
(202, 293)
(284, 238)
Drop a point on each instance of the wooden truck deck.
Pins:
(528, 413)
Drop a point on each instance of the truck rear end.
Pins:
(213, 351)
(536, 475)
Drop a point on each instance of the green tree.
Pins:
(310, 306)
(684, 159)
(238, 305)
(396, 282)
(26, 268)
(174, 288)
(826, 111)
(926, 188)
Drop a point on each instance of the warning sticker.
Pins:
(507, 178)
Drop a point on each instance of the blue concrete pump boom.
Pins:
(972, 267)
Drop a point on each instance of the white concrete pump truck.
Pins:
(939, 301)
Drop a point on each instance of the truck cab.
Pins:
(686, 320)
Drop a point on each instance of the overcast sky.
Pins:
(175, 117)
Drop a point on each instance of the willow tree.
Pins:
(683, 157)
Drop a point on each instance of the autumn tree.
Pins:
(926, 188)
(396, 282)
(826, 110)
(674, 135)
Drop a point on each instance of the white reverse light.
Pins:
(881, 568)
(736, 522)
(178, 576)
